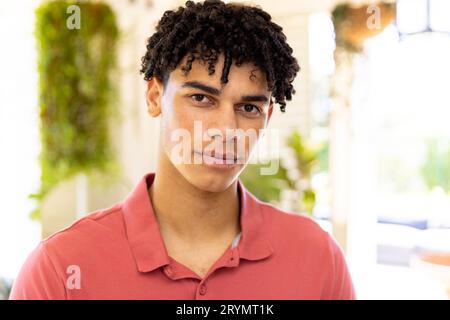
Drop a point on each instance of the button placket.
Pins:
(169, 271)
(202, 289)
(233, 259)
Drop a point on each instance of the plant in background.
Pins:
(5, 288)
(266, 187)
(352, 24)
(75, 91)
(308, 160)
(436, 167)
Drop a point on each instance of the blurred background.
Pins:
(364, 145)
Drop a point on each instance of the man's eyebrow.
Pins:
(255, 98)
(201, 86)
(216, 92)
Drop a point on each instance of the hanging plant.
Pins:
(75, 90)
(352, 24)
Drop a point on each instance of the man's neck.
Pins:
(190, 214)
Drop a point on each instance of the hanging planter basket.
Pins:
(353, 25)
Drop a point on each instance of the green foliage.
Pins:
(75, 91)
(340, 16)
(268, 187)
(265, 187)
(306, 156)
(436, 167)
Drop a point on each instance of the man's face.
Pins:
(208, 130)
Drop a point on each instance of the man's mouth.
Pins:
(220, 158)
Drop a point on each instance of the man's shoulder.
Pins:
(99, 225)
(293, 226)
(290, 219)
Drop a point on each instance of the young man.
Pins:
(191, 230)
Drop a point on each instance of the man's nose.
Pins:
(225, 124)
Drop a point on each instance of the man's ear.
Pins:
(154, 96)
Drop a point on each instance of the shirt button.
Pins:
(202, 289)
(169, 270)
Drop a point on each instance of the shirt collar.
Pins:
(146, 241)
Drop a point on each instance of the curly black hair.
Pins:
(204, 30)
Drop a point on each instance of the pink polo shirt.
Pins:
(118, 253)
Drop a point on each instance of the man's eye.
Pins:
(199, 98)
(250, 109)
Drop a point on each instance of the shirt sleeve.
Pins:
(340, 282)
(38, 278)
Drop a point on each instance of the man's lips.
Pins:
(220, 156)
(227, 156)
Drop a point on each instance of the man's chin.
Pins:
(211, 179)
